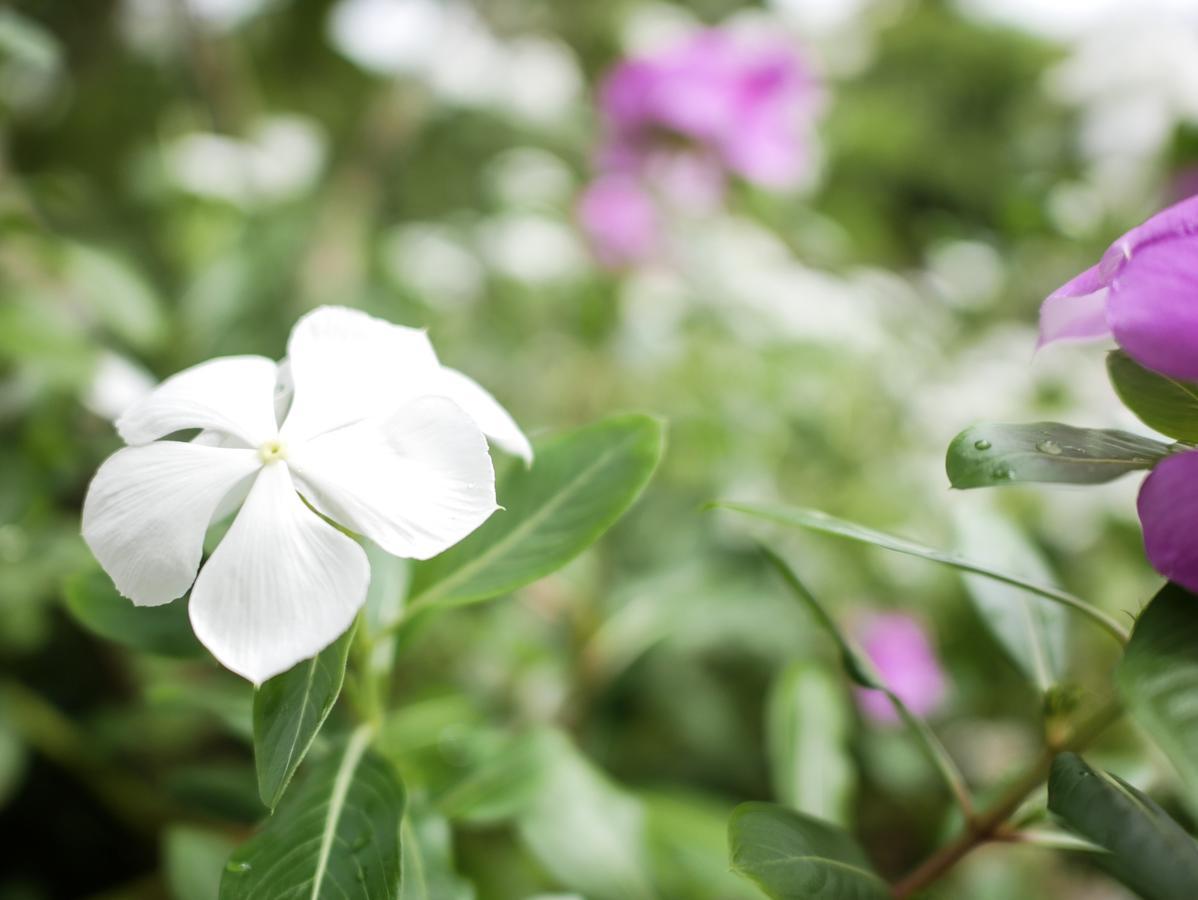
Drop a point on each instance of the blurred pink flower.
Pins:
(900, 650)
(677, 123)
(728, 103)
(619, 219)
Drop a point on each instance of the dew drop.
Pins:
(1052, 448)
(982, 444)
(1004, 473)
(237, 868)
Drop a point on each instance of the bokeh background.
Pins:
(181, 179)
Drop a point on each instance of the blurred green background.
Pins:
(181, 180)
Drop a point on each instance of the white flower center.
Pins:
(272, 451)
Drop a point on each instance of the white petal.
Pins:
(414, 482)
(233, 395)
(280, 587)
(347, 366)
(148, 507)
(486, 412)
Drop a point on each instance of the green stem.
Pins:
(988, 825)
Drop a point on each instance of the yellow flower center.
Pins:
(272, 451)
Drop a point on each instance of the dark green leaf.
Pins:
(990, 455)
(95, 604)
(1149, 852)
(579, 484)
(1166, 404)
(1158, 678)
(288, 712)
(791, 856)
(335, 836)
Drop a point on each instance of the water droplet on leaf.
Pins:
(1052, 448)
(237, 867)
(981, 444)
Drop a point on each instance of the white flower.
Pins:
(361, 423)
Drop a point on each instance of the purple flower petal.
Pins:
(619, 220)
(1168, 507)
(903, 655)
(1076, 311)
(1153, 306)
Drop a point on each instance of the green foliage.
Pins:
(1158, 678)
(289, 710)
(96, 605)
(1149, 852)
(1166, 404)
(1047, 452)
(791, 856)
(336, 835)
(194, 861)
(579, 484)
(808, 726)
(427, 872)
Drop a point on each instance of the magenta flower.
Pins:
(717, 101)
(620, 221)
(1144, 293)
(900, 650)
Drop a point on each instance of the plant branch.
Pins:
(988, 825)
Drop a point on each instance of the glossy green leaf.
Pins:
(808, 729)
(1158, 678)
(95, 604)
(289, 710)
(1148, 851)
(577, 487)
(336, 835)
(1030, 628)
(193, 862)
(1046, 452)
(814, 520)
(1166, 404)
(791, 856)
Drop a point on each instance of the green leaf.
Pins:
(856, 664)
(507, 784)
(289, 710)
(578, 486)
(688, 841)
(427, 871)
(94, 603)
(1163, 403)
(588, 832)
(1158, 679)
(1149, 852)
(194, 860)
(1047, 452)
(335, 836)
(815, 520)
(808, 727)
(1030, 629)
(791, 856)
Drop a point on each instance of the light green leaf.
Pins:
(194, 860)
(1158, 679)
(1047, 452)
(688, 841)
(508, 784)
(1149, 852)
(585, 830)
(808, 727)
(814, 520)
(94, 603)
(577, 487)
(114, 294)
(289, 710)
(1166, 404)
(427, 871)
(791, 856)
(335, 836)
(1031, 629)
